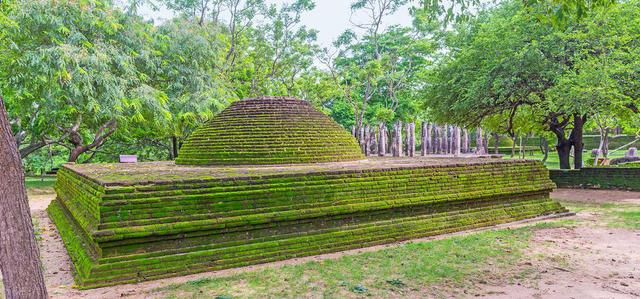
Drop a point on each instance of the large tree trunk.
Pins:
(19, 255)
(563, 146)
(174, 147)
(576, 139)
(564, 153)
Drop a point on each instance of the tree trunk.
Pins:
(605, 143)
(19, 254)
(514, 142)
(564, 152)
(576, 139)
(79, 147)
(174, 146)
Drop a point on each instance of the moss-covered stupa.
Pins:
(124, 223)
(266, 131)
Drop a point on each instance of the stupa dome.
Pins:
(269, 130)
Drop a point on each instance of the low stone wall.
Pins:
(134, 230)
(598, 178)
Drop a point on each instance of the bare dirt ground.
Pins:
(588, 260)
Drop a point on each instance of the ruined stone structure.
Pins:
(125, 223)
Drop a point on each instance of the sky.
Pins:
(330, 18)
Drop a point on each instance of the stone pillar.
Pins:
(445, 140)
(425, 135)
(456, 141)
(366, 140)
(397, 139)
(485, 142)
(382, 140)
(465, 141)
(436, 139)
(411, 140)
(479, 142)
(373, 139)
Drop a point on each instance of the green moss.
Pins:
(151, 230)
(269, 131)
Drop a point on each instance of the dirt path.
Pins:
(566, 262)
(575, 262)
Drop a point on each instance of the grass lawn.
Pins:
(40, 182)
(392, 272)
(553, 162)
(440, 268)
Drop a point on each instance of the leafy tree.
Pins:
(20, 264)
(76, 63)
(188, 63)
(506, 60)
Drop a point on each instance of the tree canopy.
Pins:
(89, 80)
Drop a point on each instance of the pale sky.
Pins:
(330, 18)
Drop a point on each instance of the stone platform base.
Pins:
(124, 223)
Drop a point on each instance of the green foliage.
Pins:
(513, 68)
(511, 73)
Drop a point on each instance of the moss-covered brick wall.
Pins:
(269, 130)
(130, 231)
(625, 178)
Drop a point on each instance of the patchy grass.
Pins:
(619, 215)
(390, 272)
(628, 218)
(40, 182)
(553, 162)
(446, 267)
(36, 229)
